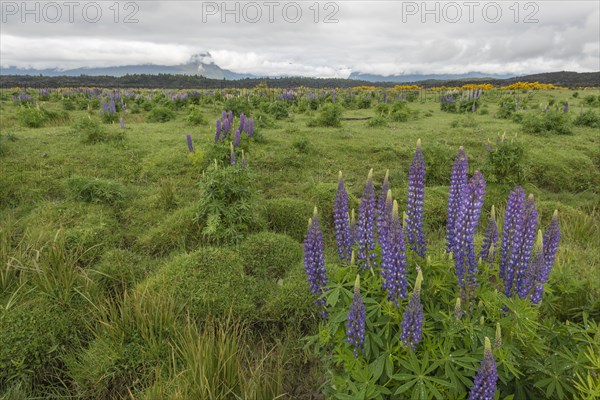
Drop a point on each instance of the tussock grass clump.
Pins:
(96, 190)
(288, 216)
(269, 255)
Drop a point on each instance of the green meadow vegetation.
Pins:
(134, 268)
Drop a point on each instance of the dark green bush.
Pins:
(289, 216)
(119, 270)
(96, 190)
(38, 117)
(329, 116)
(291, 304)
(438, 159)
(588, 118)
(278, 110)
(229, 206)
(270, 255)
(33, 338)
(177, 231)
(435, 208)
(160, 114)
(93, 132)
(195, 117)
(505, 163)
(210, 281)
(551, 121)
(238, 105)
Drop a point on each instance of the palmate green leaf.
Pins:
(405, 387)
(379, 366)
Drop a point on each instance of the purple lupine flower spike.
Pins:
(356, 320)
(551, 238)
(251, 127)
(341, 222)
(218, 131)
(458, 181)
(513, 222)
(484, 384)
(384, 221)
(525, 241)
(490, 240)
(190, 144)
(534, 272)
(232, 158)
(237, 138)
(314, 261)
(365, 235)
(412, 322)
(414, 209)
(393, 259)
(466, 225)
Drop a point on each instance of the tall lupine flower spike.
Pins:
(365, 232)
(466, 225)
(190, 144)
(218, 131)
(341, 222)
(513, 221)
(524, 240)
(381, 201)
(232, 158)
(251, 127)
(356, 321)
(458, 181)
(549, 247)
(412, 322)
(237, 138)
(314, 261)
(393, 259)
(414, 209)
(484, 384)
(490, 240)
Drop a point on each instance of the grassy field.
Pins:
(132, 268)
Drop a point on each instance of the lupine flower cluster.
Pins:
(412, 322)
(467, 219)
(108, 107)
(341, 222)
(414, 208)
(393, 259)
(365, 232)
(224, 125)
(23, 98)
(458, 180)
(485, 381)
(314, 261)
(521, 228)
(356, 320)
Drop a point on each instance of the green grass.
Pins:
(94, 226)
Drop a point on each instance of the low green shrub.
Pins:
(160, 114)
(210, 281)
(119, 270)
(269, 255)
(96, 190)
(505, 163)
(177, 231)
(288, 216)
(589, 119)
(549, 122)
(229, 206)
(329, 116)
(196, 117)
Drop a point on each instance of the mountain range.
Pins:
(202, 65)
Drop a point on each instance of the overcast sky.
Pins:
(292, 38)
